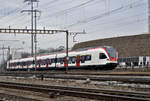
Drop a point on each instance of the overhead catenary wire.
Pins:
(120, 9)
(106, 23)
(69, 9)
(49, 2)
(94, 24)
(120, 25)
(13, 11)
(78, 21)
(6, 19)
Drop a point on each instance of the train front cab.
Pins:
(112, 57)
(105, 58)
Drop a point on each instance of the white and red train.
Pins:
(99, 57)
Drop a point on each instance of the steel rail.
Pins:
(81, 92)
(118, 78)
(13, 97)
(119, 92)
(103, 78)
(111, 73)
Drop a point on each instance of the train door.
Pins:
(39, 63)
(78, 60)
(47, 62)
(55, 60)
(22, 64)
(65, 62)
(27, 64)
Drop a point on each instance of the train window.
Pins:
(27, 63)
(61, 60)
(52, 60)
(70, 60)
(88, 57)
(73, 59)
(30, 63)
(43, 62)
(33, 62)
(18, 63)
(24, 63)
(11, 64)
(57, 60)
(14, 64)
(49, 61)
(111, 51)
(83, 59)
(102, 56)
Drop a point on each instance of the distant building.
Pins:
(132, 50)
(127, 46)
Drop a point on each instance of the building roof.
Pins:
(127, 46)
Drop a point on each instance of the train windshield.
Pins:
(111, 51)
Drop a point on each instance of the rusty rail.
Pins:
(98, 94)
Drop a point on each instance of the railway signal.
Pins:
(31, 2)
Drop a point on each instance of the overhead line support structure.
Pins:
(29, 31)
(38, 31)
(32, 27)
(8, 54)
(31, 2)
(35, 27)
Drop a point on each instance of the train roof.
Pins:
(62, 53)
(87, 48)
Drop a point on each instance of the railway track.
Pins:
(81, 72)
(97, 94)
(125, 79)
(137, 79)
(12, 97)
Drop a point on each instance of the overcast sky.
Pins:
(99, 18)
